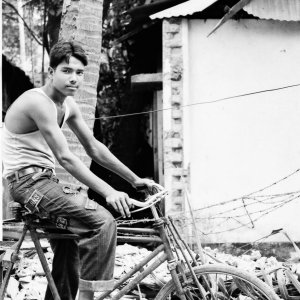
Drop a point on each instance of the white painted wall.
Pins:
(238, 146)
(1, 188)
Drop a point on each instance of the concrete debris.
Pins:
(12, 288)
(29, 282)
(127, 257)
(251, 262)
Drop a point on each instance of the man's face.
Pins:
(68, 77)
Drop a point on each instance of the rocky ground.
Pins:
(29, 281)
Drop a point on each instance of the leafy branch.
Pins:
(28, 28)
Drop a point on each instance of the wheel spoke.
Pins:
(220, 283)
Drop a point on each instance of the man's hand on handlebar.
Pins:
(120, 202)
(147, 184)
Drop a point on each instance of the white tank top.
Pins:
(28, 149)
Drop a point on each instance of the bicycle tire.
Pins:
(241, 279)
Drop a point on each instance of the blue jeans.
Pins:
(88, 263)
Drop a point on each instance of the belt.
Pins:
(25, 171)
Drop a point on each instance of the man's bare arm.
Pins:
(99, 152)
(44, 116)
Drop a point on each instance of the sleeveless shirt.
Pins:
(27, 149)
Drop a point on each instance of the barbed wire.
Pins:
(253, 203)
(259, 240)
(238, 219)
(243, 211)
(250, 194)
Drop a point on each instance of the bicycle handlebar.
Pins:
(151, 200)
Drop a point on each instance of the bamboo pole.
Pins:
(198, 242)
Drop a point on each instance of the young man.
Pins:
(32, 137)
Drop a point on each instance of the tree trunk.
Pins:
(82, 21)
(21, 36)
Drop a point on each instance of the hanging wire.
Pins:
(196, 103)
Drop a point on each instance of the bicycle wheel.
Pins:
(220, 282)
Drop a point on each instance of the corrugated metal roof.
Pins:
(283, 10)
(187, 8)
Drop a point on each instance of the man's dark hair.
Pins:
(63, 50)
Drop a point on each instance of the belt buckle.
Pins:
(39, 173)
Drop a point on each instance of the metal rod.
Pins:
(171, 257)
(201, 290)
(198, 242)
(139, 239)
(137, 268)
(140, 277)
(180, 265)
(184, 243)
(44, 263)
(9, 269)
(137, 230)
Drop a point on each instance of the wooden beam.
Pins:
(148, 81)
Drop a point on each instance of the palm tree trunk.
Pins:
(82, 21)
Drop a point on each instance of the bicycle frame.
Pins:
(164, 234)
(164, 247)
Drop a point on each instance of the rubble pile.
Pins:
(29, 282)
(127, 256)
(284, 277)
(252, 262)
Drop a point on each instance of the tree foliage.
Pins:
(41, 21)
(115, 68)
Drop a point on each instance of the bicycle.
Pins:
(190, 279)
